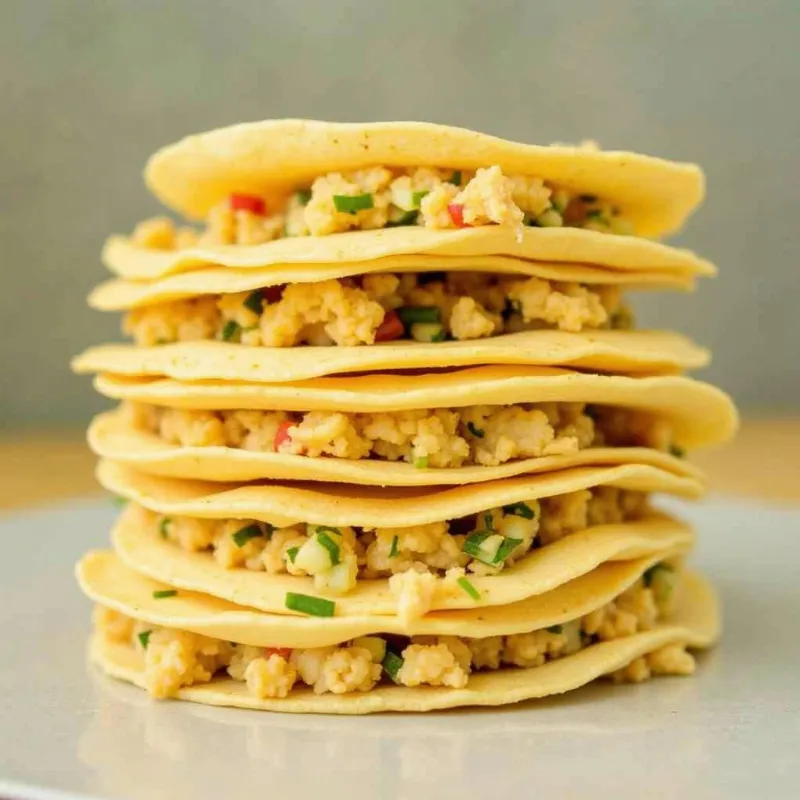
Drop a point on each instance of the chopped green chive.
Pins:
(473, 542)
(505, 549)
(594, 213)
(677, 451)
(244, 535)
(330, 546)
(406, 218)
(255, 301)
(411, 314)
(520, 510)
(160, 594)
(475, 431)
(421, 462)
(554, 629)
(291, 553)
(394, 548)
(455, 178)
(416, 197)
(650, 573)
(488, 521)
(144, 639)
(231, 330)
(326, 529)
(118, 501)
(314, 606)
(588, 198)
(469, 588)
(163, 526)
(351, 204)
(303, 196)
(392, 663)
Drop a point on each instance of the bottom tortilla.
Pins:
(695, 623)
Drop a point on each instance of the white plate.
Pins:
(732, 731)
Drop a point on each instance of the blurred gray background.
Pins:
(90, 89)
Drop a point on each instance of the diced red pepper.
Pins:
(247, 202)
(456, 211)
(282, 435)
(283, 652)
(391, 328)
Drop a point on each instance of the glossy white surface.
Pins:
(729, 732)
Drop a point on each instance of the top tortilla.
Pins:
(274, 157)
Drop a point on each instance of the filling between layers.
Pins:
(415, 558)
(482, 435)
(425, 307)
(380, 197)
(175, 658)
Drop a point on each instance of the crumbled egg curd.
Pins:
(175, 658)
(378, 197)
(416, 558)
(382, 307)
(483, 435)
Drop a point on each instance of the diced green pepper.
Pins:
(352, 203)
(411, 314)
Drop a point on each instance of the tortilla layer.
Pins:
(700, 414)
(112, 437)
(629, 352)
(273, 157)
(105, 579)
(696, 623)
(491, 248)
(139, 544)
(343, 505)
(122, 295)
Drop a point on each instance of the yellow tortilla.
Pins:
(696, 623)
(341, 505)
(105, 579)
(111, 437)
(602, 351)
(122, 295)
(139, 544)
(700, 414)
(141, 548)
(491, 248)
(274, 157)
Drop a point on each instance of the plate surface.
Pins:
(729, 732)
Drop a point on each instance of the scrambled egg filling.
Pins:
(416, 558)
(482, 435)
(378, 197)
(175, 658)
(425, 307)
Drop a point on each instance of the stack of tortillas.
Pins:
(387, 431)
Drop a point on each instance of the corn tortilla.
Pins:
(491, 248)
(700, 414)
(696, 623)
(139, 544)
(106, 580)
(125, 294)
(274, 157)
(111, 437)
(632, 352)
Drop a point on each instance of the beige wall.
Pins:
(89, 89)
